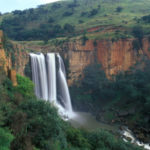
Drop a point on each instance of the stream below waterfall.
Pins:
(87, 121)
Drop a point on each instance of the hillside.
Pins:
(105, 45)
(98, 19)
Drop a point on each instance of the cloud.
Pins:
(48, 1)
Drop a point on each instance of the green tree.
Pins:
(5, 139)
(69, 28)
(25, 86)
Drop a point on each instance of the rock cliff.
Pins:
(114, 56)
(13, 61)
(5, 61)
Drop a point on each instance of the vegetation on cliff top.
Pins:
(106, 18)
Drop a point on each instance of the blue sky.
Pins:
(10, 5)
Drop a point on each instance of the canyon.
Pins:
(115, 56)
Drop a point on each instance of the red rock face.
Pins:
(21, 58)
(12, 76)
(5, 61)
(116, 56)
(146, 47)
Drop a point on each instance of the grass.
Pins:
(107, 16)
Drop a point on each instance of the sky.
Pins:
(10, 5)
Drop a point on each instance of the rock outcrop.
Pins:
(5, 62)
(12, 76)
(114, 56)
(21, 58)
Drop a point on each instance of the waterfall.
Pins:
(46, 80)
(39, 75)
(63, 94)
(51, 75)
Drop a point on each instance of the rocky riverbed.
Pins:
(125, 118)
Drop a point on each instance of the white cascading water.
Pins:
(63, 94)
(39, 75)
(44, 78)
(51, 75)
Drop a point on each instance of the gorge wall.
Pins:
(13, 59)
(5, 62)
(114, 56)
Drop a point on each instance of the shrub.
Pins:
(119, 9)
(136, 45)
(93, 12)
(25, 86)
(56, 6)
(137, 32)
(146, 18)
(75, 137)
(101, 139)
(5, 139)
(27, 70)
(84, 39)
(83, 14)
(81, 21)
(51, 20)
(94, 43)
(68, 28)
(67, 13)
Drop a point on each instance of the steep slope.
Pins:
(73, 17)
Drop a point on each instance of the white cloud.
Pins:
(48, 1)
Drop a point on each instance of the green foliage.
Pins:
(84, 38)
(27, 70)
(119, 9)
(36, 125)
(25, 86)
(67, 13)
(10, 50)
(136, 45)
(69, 28)
(51, 20)
(124, 92)
(25, 25)
(93, 88)
(39, 122)
(137, 31)
(75, 137)
(93, 12)
(101, 139)
(146, 18)
(5, 139)
(94, 43)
